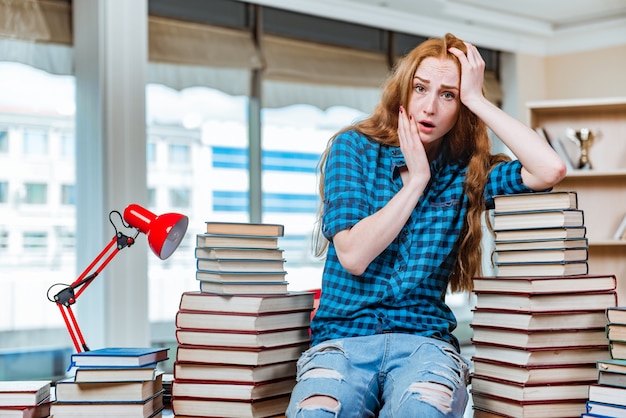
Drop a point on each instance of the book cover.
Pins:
(609, 378)
(605, 410)
(541, 244)
(86, 374)
(242, 321)
(563, 268)
(554, 233)
(612, 365)
(550, 302)
(538, 219)
(253, 339)
(536, 201)
(531, 392)
(607, 394)
(24, 392)
(546, 374)
(234, 372)
(545, 284)
(539, 356)
(211, 407)
(32, 411)
(244, 228)
(239, 355)
(242, 241)
(538, 321)
(199, 301)
(120, 356)
(552, 339)
(216, 253)
(616, 314)
(534, 409)
(541, 255)
(233, 265)
(146, 408)
(232, 390)
(242, 287)
(67, 390)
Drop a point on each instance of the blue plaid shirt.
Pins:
(403, 289)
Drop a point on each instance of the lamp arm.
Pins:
(68, 295)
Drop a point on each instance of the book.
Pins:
(608, 378)
(527, 392)
(242, 321)
(24, 392)
(605, 410)
(233, 265)
(539, 356)
(194, 300)
(540, 233)
(607, 394)
(540, 244)
(620, 231)
(617, 349)
(529, 409)
(563, 268)
(228, 408)
(244, 228)
(557, 145)
(539, 339)
(239, 355)
(550, 302)
(232, 390)
(67, 390)
(615, 331)
(242, 288)
(565, 199)
(234, 372)
(242, 338)
(241, 277)
(538, 321)
(146, 408)
(241, 241)
(216, 253)
(33, 411)
(118, 374)
(545, 284)
(612, 365)
(616, 314)
(542, 255)
(524, 374)
(538, 219)
(120, 356)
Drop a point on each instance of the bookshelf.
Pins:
(602, 189)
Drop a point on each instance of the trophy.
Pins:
(583, 138)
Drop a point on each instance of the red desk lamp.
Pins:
(164, 232)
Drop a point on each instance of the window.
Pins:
(35, 142)
(36, 193)
(179, 154)
(151, 152)
(180, 198)
(35, 240)
(4, 141)
(68, 146)
(68, 194)
(4, 192)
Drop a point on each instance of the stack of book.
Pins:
(236, 354)
(237, 258)
(539, 328)
(112, 382)
(25, 399)
(607, 397)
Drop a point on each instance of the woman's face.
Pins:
(434, 101)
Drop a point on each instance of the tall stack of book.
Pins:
(539, 323)
(25, 398)
(112, 382)
(240, 336)
(607, 397)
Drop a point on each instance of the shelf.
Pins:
(596, 174)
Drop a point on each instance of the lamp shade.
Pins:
(164, 232)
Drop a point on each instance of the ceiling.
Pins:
(541, 27)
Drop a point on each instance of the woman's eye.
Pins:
(420, 88)
(448, 95)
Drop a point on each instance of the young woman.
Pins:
(403, 192)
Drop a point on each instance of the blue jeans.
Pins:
(384, 375)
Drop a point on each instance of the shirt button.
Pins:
(401, 268)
